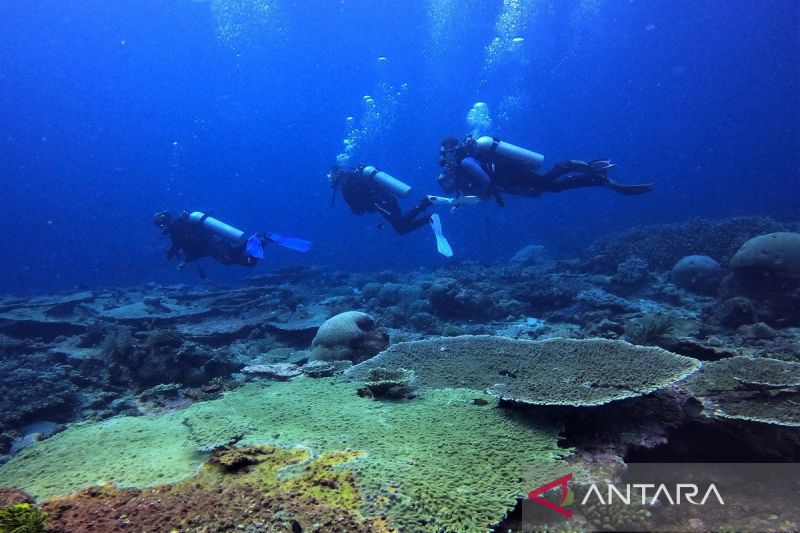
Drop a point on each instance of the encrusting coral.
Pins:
(263, 488)
(440, 463)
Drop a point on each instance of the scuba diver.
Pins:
(488, 167)
(196, 235)
(366, 189)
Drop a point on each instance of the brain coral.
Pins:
(744, 388)
(553, 372)
(439, 463)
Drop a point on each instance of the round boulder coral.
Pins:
(774, 251)
(350, 336)
(697, 273)
(767, 269)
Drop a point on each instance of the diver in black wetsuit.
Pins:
(487, 168)
(364, 195)
(196, 235)
(369, 190)
(193, 239)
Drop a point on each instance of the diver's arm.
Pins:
(479, 180)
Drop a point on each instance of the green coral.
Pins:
(22, 518)
(277, 470)
(553, 372)
(130, 451)
(324, 481)
(439, 463)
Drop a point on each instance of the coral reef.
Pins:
(438, 463)
(743, 388)
(167, 363)
(34, 386)
(387, 383)
(766, 269)
(650, 330)
(769, 255)
(633, 272)
(238, 489)
(22, 518)
(697, 273)
(280, 371)
(10, 496)
(450, 299)
(532, 254)
(663, 245)
(552, 372)
(348, 336)
(615, 517)
(324, 369)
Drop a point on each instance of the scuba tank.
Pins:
(386, 182)
(217, 227)
(494, 147)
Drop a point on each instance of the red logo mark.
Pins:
(535, 495)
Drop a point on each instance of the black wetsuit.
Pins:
(363, 195)
(486, 178)
(489, 176)
(191, 241)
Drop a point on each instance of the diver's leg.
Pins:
(398, 222)
(412, 220)
(390, 210)
(576, 181)
(417, 223)
(565, 167)
(596, 179)
(424, 204)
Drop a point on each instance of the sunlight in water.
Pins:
(241, 22)
(511, 25)
(580, 24)
(442, 19)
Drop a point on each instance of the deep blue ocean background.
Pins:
(111, 111)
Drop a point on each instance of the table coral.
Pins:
(438, 463)
(754, 389)
(553, 372)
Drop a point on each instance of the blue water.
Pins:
(111, 111)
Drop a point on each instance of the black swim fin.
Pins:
(629, 190)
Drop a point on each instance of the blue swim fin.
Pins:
(293, 243)
(254, 248)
